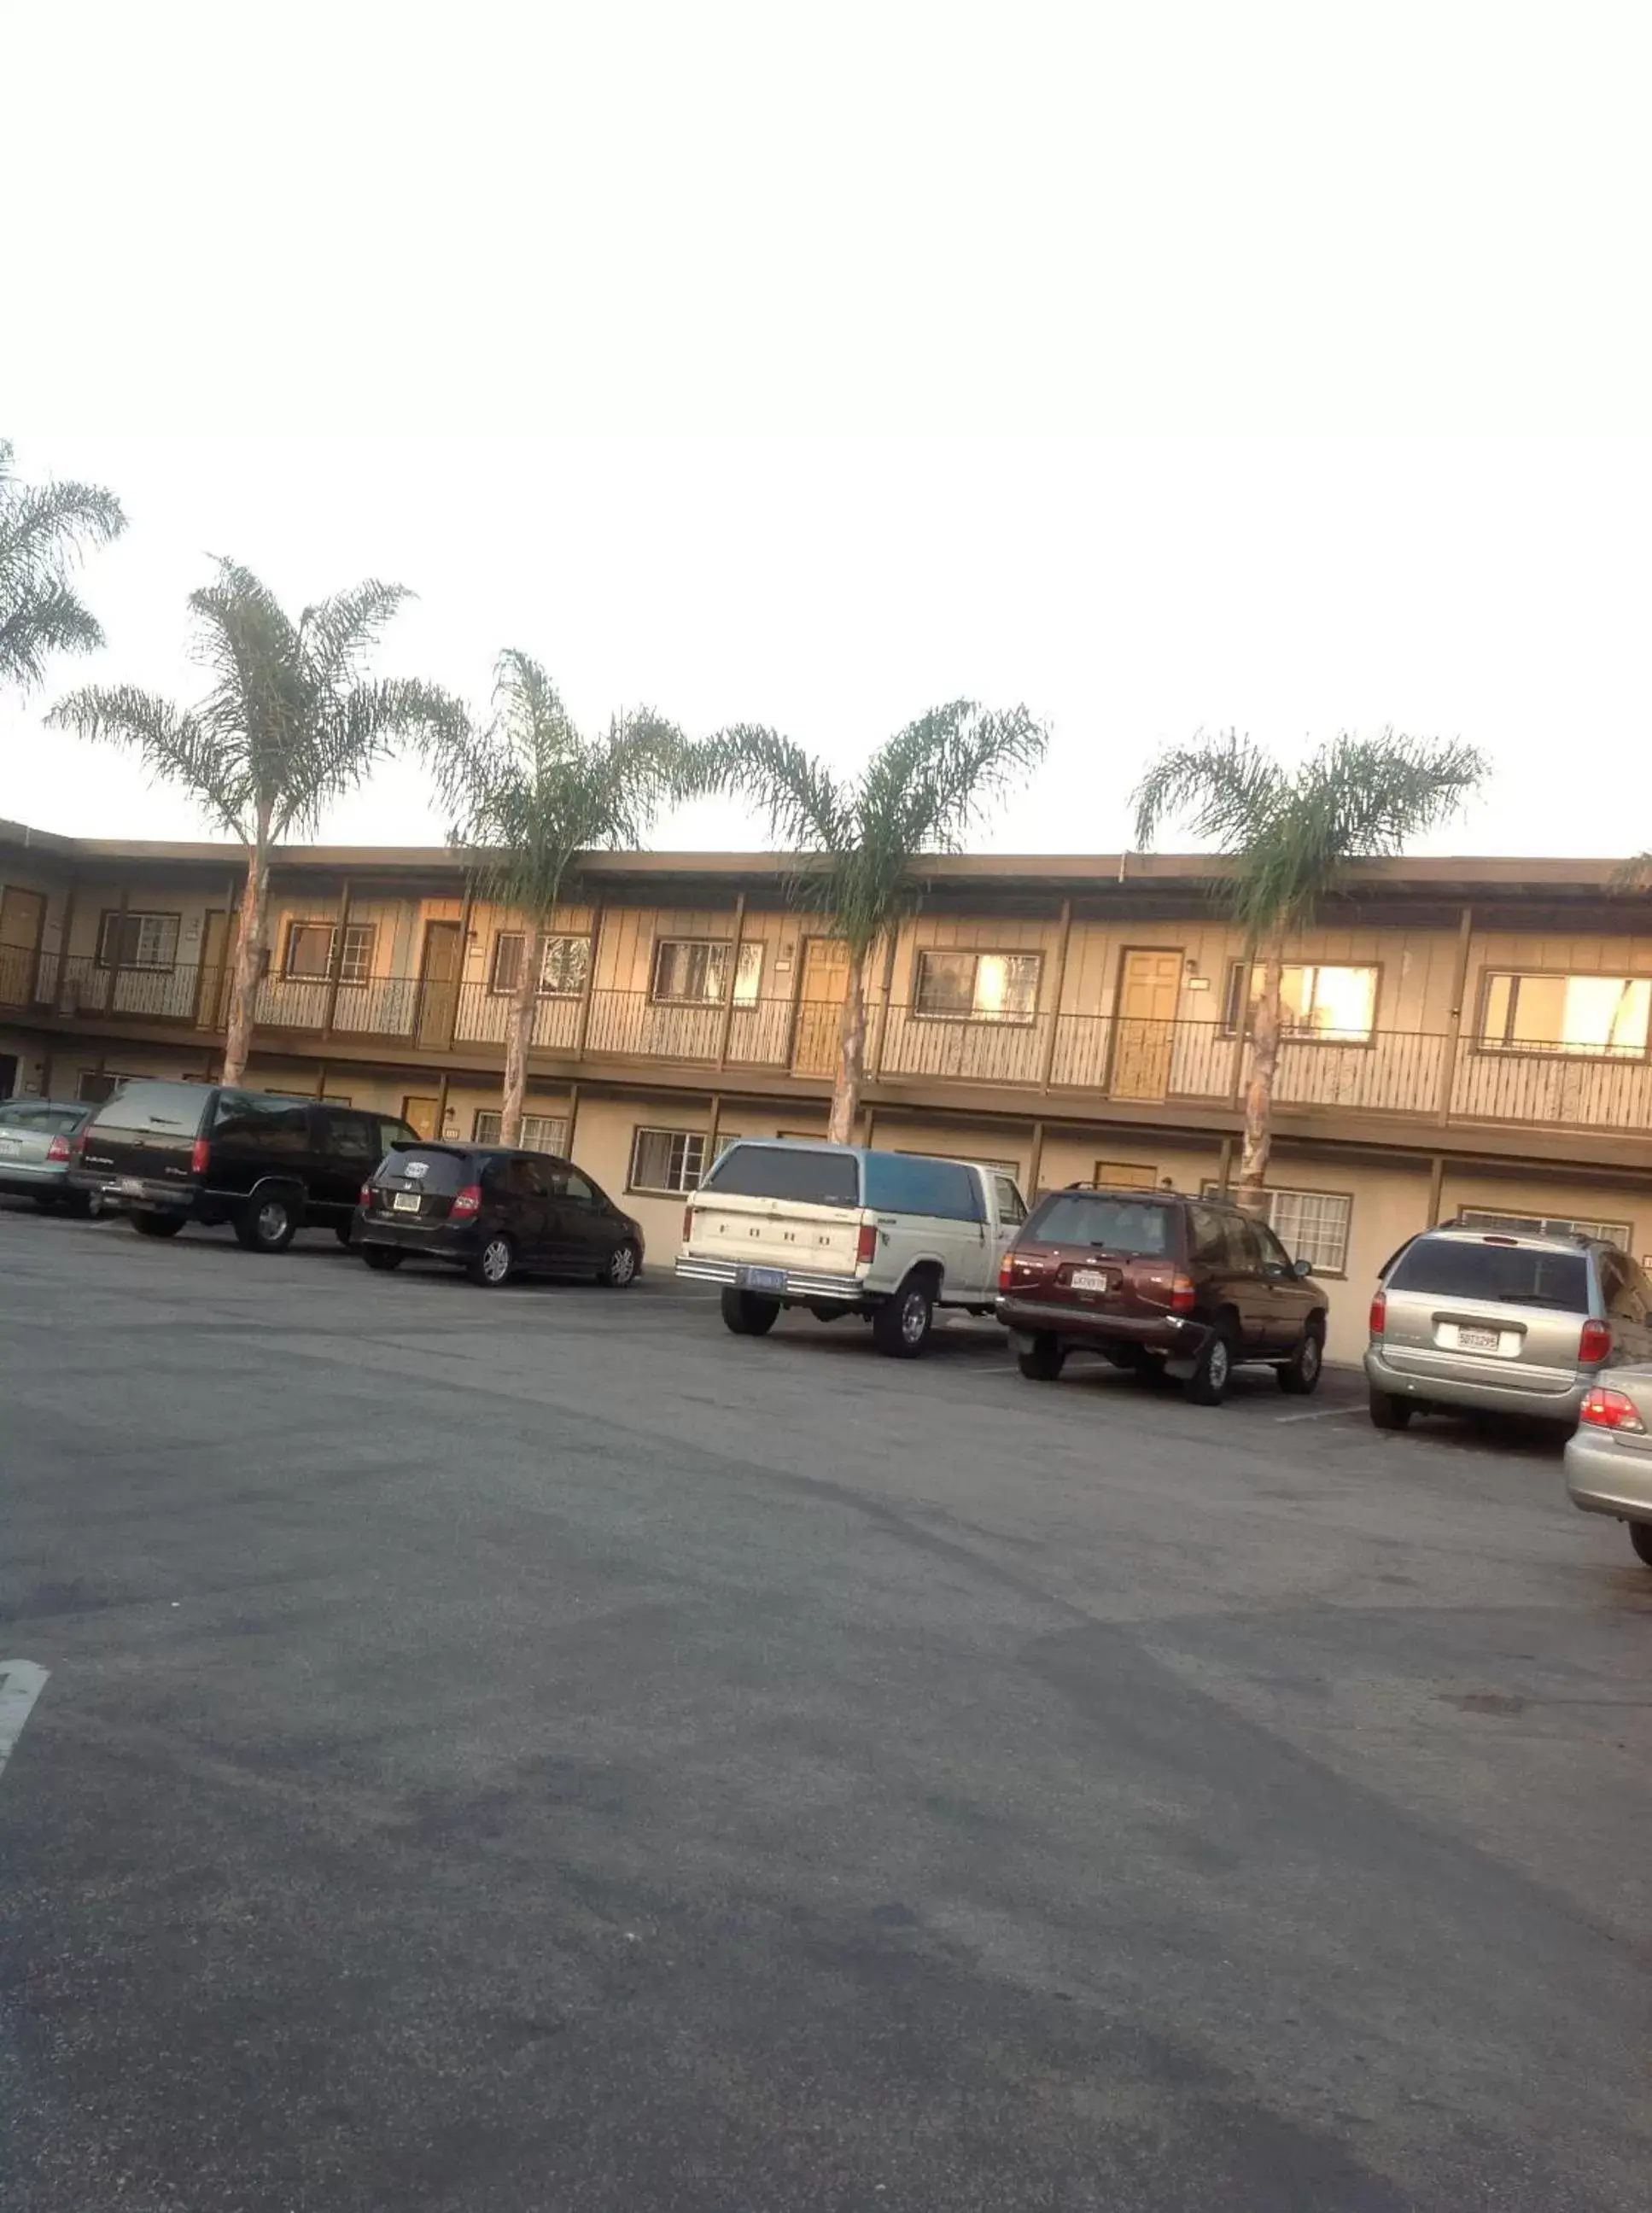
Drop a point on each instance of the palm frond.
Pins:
(801, 802)
(176, 748)
(44, 530)
(54, 620)
(336, 635)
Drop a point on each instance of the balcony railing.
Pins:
(1122, 1059)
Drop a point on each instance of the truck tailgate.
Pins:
(775, 1233)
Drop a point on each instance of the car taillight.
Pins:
(1610, 1410)
(198, 1156)
(688, 1223)
(57, 1149)
(468, 1201)
(1595, 1344)
(1183, 1293)
(1006, 1270)
(364, 1196)
(866, 1244)
(1379, 1314)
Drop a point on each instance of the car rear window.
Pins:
(428, 1166)
(1504, 1275)
(817, 1179)
(1115, 1225)
(169, 1109)
(47, 1121)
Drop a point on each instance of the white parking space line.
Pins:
(1322, 1414)
(21, 1683)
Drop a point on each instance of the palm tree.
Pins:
(1288, 833)
(525, 796)
(43, 530)
(291, 723)
(859, 838)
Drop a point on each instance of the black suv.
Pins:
(172, 1153)
(493, 1211)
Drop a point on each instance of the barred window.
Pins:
(1310, 1225)
(541, 1133)
(666, 1160)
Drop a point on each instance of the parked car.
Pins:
(846, 1229)
(36, 1139)
(1512, 1324)
(1609, 1455)
(172, 1153)
(496, 1212)
(1160, 1283)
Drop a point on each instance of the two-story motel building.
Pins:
(1469, 1036)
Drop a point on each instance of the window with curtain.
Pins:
(694, 971)
(563, 966)
(1606, 1014)
(666, 1160)
(977, 987)
(310, 950)
(1310, 1225)
(541, 1133)
(1335, 1005)
(139, 941)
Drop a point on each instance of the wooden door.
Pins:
(1150, 987)
(820, 995)
(22, 917)
(438, 985)
(212, 980)
(421, 1113)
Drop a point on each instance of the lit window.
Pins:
(1566, 1013)
(310, 948)
(1336, 1005)
(979, 987)
(1310, 1225)
(541, 1133)
(666, 1160)
(694, 971)
(562, 967)
(1544, 1225)
(139, 941)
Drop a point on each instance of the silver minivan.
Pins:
(1511, 1324)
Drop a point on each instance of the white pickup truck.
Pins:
(844, 1229)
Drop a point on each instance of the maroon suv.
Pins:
(1159, 1281)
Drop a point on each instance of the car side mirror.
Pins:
(1302, 1267)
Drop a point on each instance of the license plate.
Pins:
(403, 1202)
(1091, 1279)
(132, 1186)
(10, 1148)
(1477, 1340)
(762, 1279)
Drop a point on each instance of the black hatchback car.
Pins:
(172, 1153)
(494, 1212)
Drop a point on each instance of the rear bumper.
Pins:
(1177, 1337)
(149, 1196)
(1443, 1387)
(25, 1180)
(1603, 1477)
(438, 1240)
(798, 1285)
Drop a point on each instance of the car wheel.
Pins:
(901, 1325)
(1388, 1412)
(749, 1314)
(345, 1232)
(495, 1264)
(382, 1258)
(48, 1201)
(267, 1225)
(620, 1270)
(1640, 1536)
(1300, 1373)
(1043, 1359)
(157, 1225)
(1213, 1370)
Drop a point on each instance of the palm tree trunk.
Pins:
(1252, 1194)
(851, 1055)
(519, 1034)
(249, 940)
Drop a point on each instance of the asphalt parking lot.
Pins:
(530, 1750)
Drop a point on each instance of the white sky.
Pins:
(1169, 368)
